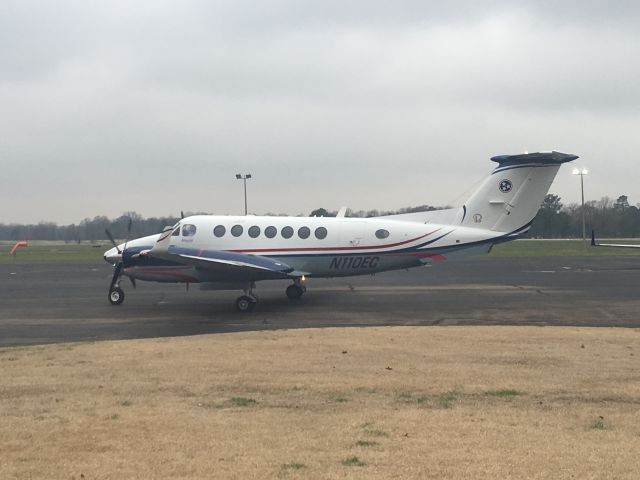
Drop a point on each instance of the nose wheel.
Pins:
(116, 296)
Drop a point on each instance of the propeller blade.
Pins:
(116, 275)
(128, 234)
(181, 214)
(106, 230)
(133, 281)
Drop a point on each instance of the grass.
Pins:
(353, 462)
(366, 443)
(60, 421)
(558, 248)
(405, 396)
(44, 251)
(446, 399)
(243, 401)
(505, 393)
(376, 433)
(59, 251)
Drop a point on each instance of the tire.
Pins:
(245, 303)
(116, 296)
(294, 292)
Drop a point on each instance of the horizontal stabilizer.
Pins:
(543, 158)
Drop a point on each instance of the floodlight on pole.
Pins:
(582, 172)
(244, 179)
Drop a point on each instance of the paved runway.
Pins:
(45, 303)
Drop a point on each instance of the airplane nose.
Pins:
(112, 256)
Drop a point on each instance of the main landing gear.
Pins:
(248, 301)
(295, 291)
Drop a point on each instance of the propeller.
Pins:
(117, 271)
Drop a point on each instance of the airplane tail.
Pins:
(508, 200)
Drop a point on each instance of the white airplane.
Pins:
(235, 252)
(617, 245)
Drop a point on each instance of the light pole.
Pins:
(582, 172)
(244, 179)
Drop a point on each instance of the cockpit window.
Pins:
(176, 232)
(188, 230)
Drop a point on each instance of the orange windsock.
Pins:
(23, 243)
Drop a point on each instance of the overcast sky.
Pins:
(154, 106)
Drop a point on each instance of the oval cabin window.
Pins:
(382, 233)
(304, 232)
(254, 231)
(219, 231)
(321, 233)
(236, 230)
(270, 232)
(287, 232)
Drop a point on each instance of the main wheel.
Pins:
(294, 291)
(116, 296)
(245, 303)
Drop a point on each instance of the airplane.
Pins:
(235, 252)
(616, 245)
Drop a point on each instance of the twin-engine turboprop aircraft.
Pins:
(235, 252)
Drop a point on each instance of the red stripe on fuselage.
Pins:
(326, 249)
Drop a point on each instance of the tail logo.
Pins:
(505, 186)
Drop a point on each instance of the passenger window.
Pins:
(287, 232)
(382, 233)
(270, 232)
(254, 231)
(236, 230)
(321, 233)
(219, 231)
(188, 230)
(304, 232)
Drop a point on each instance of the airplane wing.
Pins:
(619, 245)
(229, 264)
(217, 259)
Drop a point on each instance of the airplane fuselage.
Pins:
(313, 246)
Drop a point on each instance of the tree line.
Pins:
(609, 218)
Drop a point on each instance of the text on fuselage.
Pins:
(345, 263)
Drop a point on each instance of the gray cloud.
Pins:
(153, 106)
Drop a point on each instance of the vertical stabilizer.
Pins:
(508, 200)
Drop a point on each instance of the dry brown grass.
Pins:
(405, 402)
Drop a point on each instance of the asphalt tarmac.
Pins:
(50, 303)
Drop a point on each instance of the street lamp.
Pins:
(244, 179)
(582, 172)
